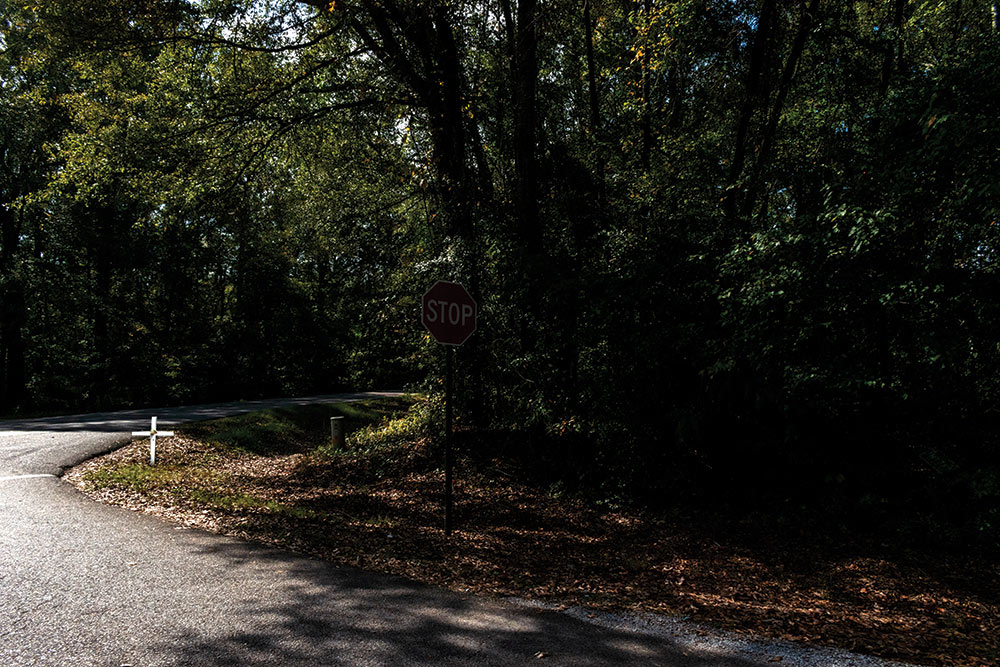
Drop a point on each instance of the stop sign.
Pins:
(449, 313)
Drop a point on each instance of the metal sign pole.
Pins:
(449, 313)
(449, 382)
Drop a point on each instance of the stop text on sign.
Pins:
(449, 313)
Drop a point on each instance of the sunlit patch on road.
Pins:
(10, 478)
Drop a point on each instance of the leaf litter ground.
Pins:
(383, 513)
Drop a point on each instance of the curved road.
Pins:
(86, 584)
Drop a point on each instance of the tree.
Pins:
(758, 235)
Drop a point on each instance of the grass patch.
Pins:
(293, 429)
(241, 502)
(135, 477)
(379, 521)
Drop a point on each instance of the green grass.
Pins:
(193, 484)
(237, 502)
(135, 476)
(293, 429)
(379, 521)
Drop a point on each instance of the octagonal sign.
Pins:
(449, 313)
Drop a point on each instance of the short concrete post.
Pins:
(337, 432)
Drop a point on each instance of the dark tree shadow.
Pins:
(344, 616)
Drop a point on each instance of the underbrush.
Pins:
(395, 430)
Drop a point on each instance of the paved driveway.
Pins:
(87, 584)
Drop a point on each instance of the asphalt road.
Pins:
(88, 584)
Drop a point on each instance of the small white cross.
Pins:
(151, 434)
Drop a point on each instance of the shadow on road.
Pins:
(341, 616)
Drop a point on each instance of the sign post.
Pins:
(449, 313)
(449, 385)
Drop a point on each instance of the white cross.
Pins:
(151, 434)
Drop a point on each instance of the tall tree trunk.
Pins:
(416, 46)
(675, 86)
(103, 376)
(594, 101)
(646, 119)
(754, 98)
(448, 128)
(528, 231)
(894, 49)
(956, 28)
(525, 125)
(13, 313)
(418, 43)
(594, 98)
(784, 86)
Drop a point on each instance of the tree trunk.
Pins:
(594, 102)
(894, 49)
(525, 123)
(646, 119)
(956, 29)
(754, 98)
(448, 128)
(675, 87)
(594, 99)
(418, 43)
(13, 314)
(784, 86)
(103, 374)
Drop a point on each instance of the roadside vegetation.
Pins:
(274, 477)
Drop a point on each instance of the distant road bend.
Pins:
(85, 584)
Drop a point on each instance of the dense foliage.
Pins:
(745, 246)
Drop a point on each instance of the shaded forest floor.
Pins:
(379, 508)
